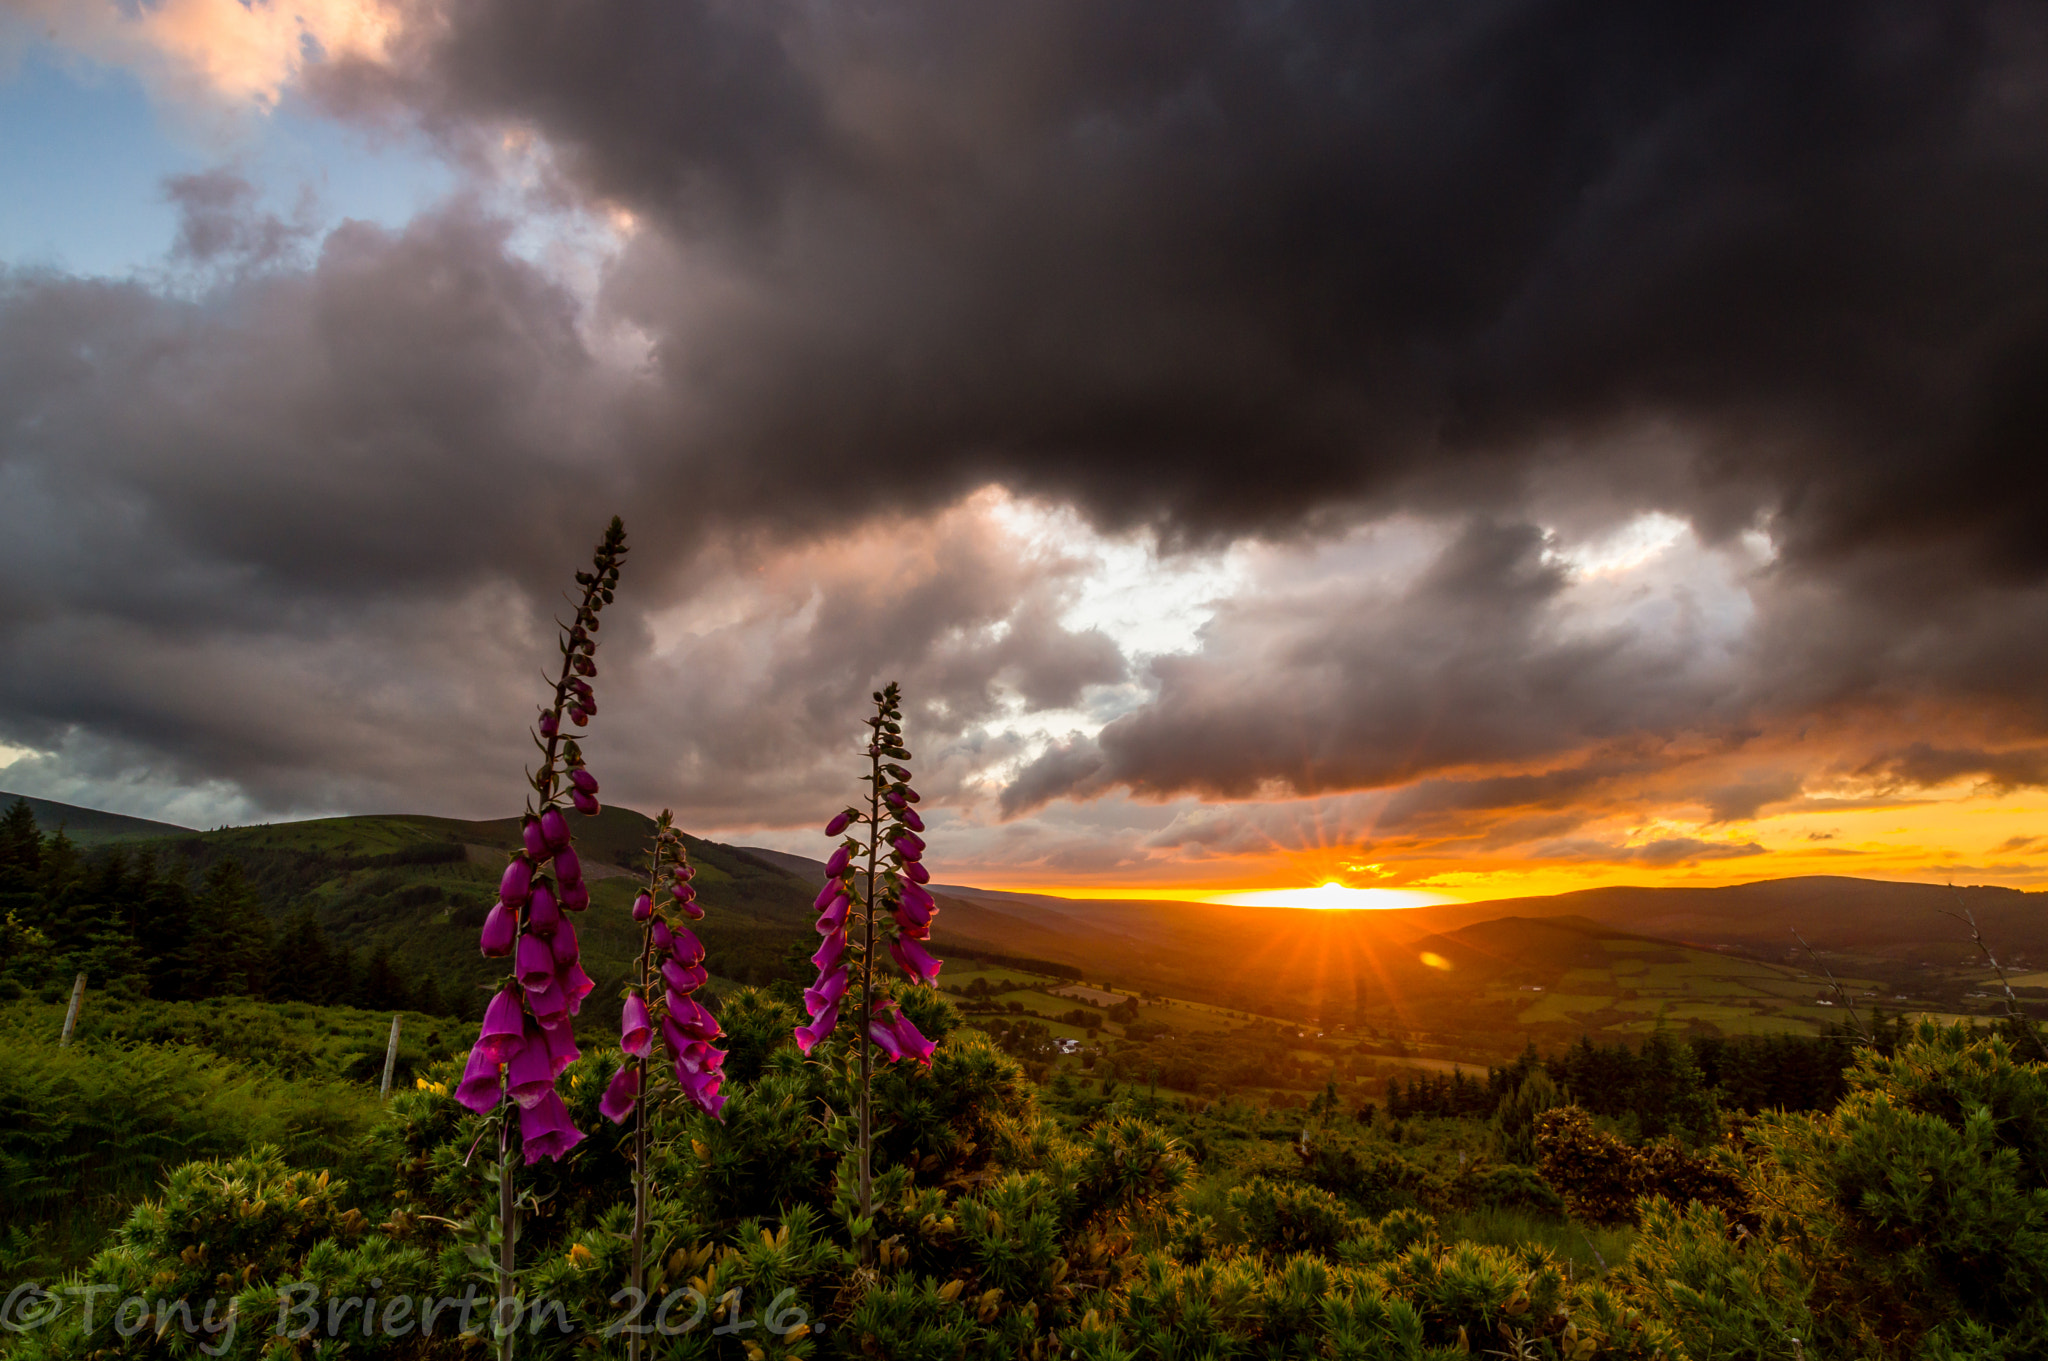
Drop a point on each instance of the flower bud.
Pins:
(536, 964)
(836, 866)
(833, 889)
(839, 823)
(916, 873)
(643, 908)
(910, 819)
(583, 779)
(543, 916)
(575, 897)
(585, 804)
(562, 945)
(517, 883)
(683, 979)
(536, 843)
(682, 893)
(658, 935)
(578, 717)
(567, 863)
(685, 946)
(549, 726)
(554, 829)
(501, 924)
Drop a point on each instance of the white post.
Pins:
(390, 1059)
(71, 1016)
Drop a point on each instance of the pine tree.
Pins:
(21, 847)
(233, 932)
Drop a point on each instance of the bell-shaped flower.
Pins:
(550, 1005)
(636, 1030)
(527, 1075)
(562, 945)
(683, 873)
(808, 1036)
(501, 924)
(688, 1016)
(829, 951)
(537, 847)
(543, 915)
(833, 889)
(920, 899)
(682, 893)
(682, 978)
(621, 1094)
(562, 1050)
(916, 873)
(684, 945)
(659, 936)
(703, 1089)
(834, 917)
(913, 922)
(908, 844)
(697, 1056)
(884, 1034)
(643, 908)
(535, 963)
(827, 991)
(504, 1028)
(914, 960)
(568, 865)
(554, 829)
(544, 1129)
(575, 897)
(517, 881)
(841, 858)
(575, 985)
(481, 1087)
(913, 1044)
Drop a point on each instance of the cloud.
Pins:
(1660, 853)
(1921, 765)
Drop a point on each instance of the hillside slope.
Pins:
(90, 826)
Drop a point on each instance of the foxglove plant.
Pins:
(671, 969)
(868, 891)
(526, 1040)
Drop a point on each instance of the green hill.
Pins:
(90, 826)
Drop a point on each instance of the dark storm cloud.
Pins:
(1217, 265)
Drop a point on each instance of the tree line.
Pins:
(140, 924)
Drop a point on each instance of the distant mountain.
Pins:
(89, 826)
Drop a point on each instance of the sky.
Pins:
(1431, 450)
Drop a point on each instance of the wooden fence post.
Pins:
(390, 1060)
(71, 1016)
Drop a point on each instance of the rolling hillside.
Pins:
(89, 826)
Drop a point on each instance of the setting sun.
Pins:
(1333, 896)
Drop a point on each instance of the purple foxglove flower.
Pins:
(583, 780)
(885, 1037)
(909, 844)
(913, 922)
(575, 897)
(893, 799)
(554, 829)
(910, 794)
(536, 844)
(833, 889)
(827, 991)
(501, 924)
(562, 945)
(636, 1031)
(578, 716)
(916, 873)
(568, 864)
(574, 984)
(829, 951)
(544, 1129)
(682, 893)
(691, 910)
(682, 979)
(920, 897)
(688, 1015)
(550, 1005)
(582, 688)
(535, 963)
(913, 1043)
(699, 1057)
(480, 1088)
(527, 1073)
(548, 726)
(517, 883)
(911, 955)
(703, 1089)
(834, 918)
(841, 858)
(912, 820)
(620, 1095)
(685, 946)
(543, 916)
(643, 908)
(562, 1050)
(808, 1036)
(685, 873)
(586, 804)
(504, 1028)
(659, 936)
(839, 823)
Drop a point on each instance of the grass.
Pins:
(1585, 1246)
